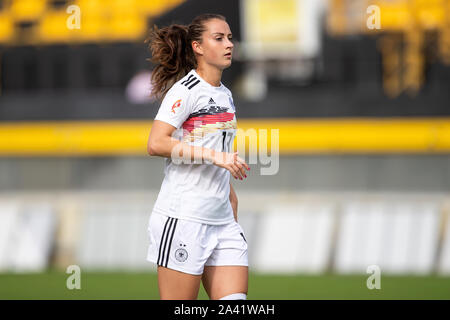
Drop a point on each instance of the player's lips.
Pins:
(228, 54)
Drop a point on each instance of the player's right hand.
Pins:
(232, 162)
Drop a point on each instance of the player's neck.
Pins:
(210, 75)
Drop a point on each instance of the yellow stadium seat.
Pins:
(395, 15)
(23, 10)
(94, 17)
(430, 14)
(93, 28)
(126, 26)
(6, 28)
(123, 6)
(53, 27)
(93, 7)
(101, 20)
(152, 8)
(402, 15)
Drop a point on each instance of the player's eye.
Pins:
(218, 39)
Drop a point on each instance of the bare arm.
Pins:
(161, 143)
(233, 201)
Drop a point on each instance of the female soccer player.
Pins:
(193, 228)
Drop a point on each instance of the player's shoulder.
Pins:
(178, 90)
(187, 85)
(191, 85)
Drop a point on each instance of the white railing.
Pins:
(310, 232)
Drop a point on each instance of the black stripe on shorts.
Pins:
(165, 241)
(162, 240)
(170, 242)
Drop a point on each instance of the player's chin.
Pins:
(227, 63)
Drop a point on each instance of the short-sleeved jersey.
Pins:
(204, 115)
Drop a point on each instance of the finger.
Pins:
(237, 171)
(232, 171)
(241, 169)
(243, 162)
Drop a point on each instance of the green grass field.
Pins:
(120, 285)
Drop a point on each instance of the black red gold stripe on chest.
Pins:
(218, 118)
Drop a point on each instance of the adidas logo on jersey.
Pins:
(211, 101)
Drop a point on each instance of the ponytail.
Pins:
(172, 52)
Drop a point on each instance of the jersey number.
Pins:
(226, 147)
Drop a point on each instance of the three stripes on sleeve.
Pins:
(191, 82)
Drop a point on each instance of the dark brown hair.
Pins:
(172, 52)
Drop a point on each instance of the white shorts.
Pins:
(188, 246)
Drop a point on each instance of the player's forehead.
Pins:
(216, 27)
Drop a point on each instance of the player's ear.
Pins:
(197, 47)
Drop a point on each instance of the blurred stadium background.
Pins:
(364, 143)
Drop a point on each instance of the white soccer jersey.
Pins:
(204, 116)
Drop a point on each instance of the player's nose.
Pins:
(229, 44)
